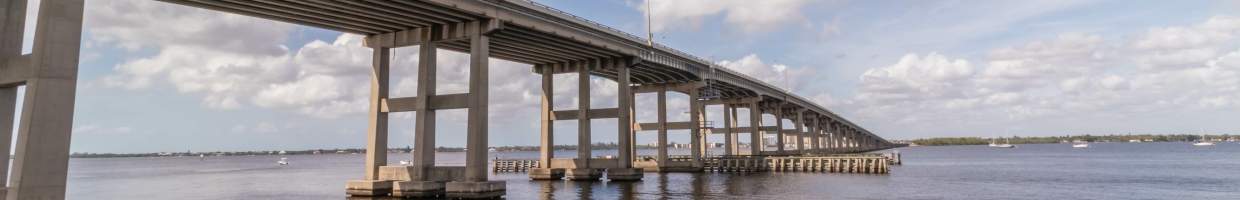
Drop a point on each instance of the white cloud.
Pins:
(778, 75)
(1075, 75)
(137, 24)
(96, 129)
(916, 77)
(320, 79)
(748, 16)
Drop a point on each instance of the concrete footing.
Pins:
(368, 188)
(476, 190)
(583, 174)
(417, 189)
(546, 174)
(625, 174)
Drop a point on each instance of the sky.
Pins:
(161, 77)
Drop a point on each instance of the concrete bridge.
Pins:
(554, 42)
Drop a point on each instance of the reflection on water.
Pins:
(1053, 171)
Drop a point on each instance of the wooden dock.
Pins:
(859, 164)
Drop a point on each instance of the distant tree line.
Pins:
(1067, 138)
(596, 146)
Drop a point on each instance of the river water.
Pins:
(1039, 171)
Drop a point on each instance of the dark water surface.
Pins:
(1045, 171)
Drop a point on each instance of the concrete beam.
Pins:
(732, 101)
(670, 126)
(542, 24)
(676, 87)
(438, 33)
(436, 102)
(600, 113)
(16, 70)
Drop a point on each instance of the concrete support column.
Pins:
(424, 126)
(624, 170)
(475, 183)
(376, 129)
(546, 152)
(695, 109)
(852, 138)
(40, 168)
(814, 134)
(755, 129)
(476, 156)
(728, 140)
(779, 130)
(734, 137)
(625, 126)
(583, 116)
(11, 32)
(834, 141)
(8, 105)
(800, 126)
(582, 170)
(661, 158)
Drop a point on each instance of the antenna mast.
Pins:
(649, 21)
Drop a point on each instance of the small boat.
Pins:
(405, 162)
(1080, 145)
(1203, 142)
(1008, 144)
(283, 161)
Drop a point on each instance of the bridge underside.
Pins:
(552, 41)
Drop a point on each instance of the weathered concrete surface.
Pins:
(418, 189)
(669, 166)
(546, 174)
(594, 163)
(583, 174)
(40, 169)
(476, 190)
(368, 188)
(411, 173)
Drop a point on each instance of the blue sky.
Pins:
(162, 77)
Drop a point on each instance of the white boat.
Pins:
(1007, 144)
(283, 161)
(1203, 142)
(1080, 145)
(405, 162)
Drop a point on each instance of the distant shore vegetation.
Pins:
(946, 141)
(596, 146)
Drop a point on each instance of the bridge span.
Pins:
(554, 42)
